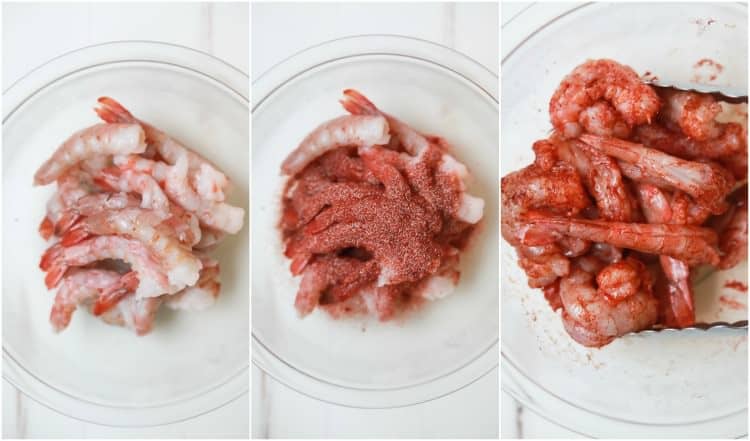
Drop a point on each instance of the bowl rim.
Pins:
(54, 73)
(384, 41)
(516, 370)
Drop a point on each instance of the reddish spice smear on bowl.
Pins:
(736, 285)
(714, 70)
(732, 303)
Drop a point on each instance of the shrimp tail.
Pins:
(50, 256)
(67, 221)
(113, 112)
(74, 236)
(111, 296)
(54, 275)
(357, 104)
(46, 228)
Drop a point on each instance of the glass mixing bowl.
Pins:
(360, 361)
(191, 363)
(681, 384)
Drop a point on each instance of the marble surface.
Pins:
(35, 33)
(280, 30)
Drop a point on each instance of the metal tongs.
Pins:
(731, 96)
(721, 93)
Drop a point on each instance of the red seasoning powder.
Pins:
(373, 221)
(736, 285)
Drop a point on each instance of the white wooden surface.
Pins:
(280, 30)
(34, 33)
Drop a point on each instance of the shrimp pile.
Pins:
(133, 219)
(635, 187)
(374, 214)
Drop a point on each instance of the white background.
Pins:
(33, 34)
(279, 31)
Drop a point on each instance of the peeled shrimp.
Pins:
(83, 287)
(349, 130)
(100, 139)
(594, 80)
(469, 208)
(205, 177)
(217, 215)
(201, 295)
(594, 317)
(679, 294)
(732, 140)
(175, 180)
(707, 183)
(134, 313)
(694, 245)
(153, 279)
(181, 265)
(694, 113)
(152, 195)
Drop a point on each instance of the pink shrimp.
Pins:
(153, 280)
(679, 294)
(622, 303)
(152, 195)
(732, 140)
(181, 266)
(350, 130)
(91, 205)
(201, 295)
(100, 139)
(134, 313)
(594, 80)
(707, 183)
(205, 177)
(83, 287)
(218, 215)
(694, 245)
(694, 113)
(451, 172)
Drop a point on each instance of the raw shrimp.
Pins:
(152, 195)
(695, 245)
(331, 279)
(218, 215)
(153, 279)
(732, 229)
(594, 80)
(469, 208)
(97, 140)
(602, 119)
(205, 177)
(694, 113)
(83, 287)
(134, 313)
(707, 183)
(91, 205)
(181, 266)
(732, 140)
(604, 181)
(201, 295)
(594, 317)
(558, 190)
(174, 179)
(659, 210)
(349, 130)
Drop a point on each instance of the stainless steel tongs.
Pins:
(725, 94)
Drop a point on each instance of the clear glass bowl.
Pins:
(361, 362)
(192, 362)
(681, 384)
